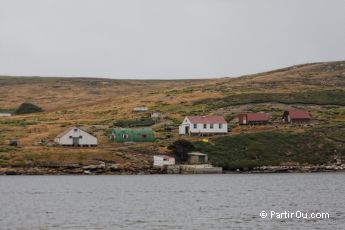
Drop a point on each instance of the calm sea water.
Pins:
(170, 201)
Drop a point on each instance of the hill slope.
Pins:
(97, 103)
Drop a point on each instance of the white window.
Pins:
(205, 126)
(211, 126)
(195, 126)
(220, 126)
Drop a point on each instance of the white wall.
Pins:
(200, 128)
(159, 161)
(87, 139)
(182, 129)
(5, 114)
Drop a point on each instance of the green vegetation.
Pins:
(183, 109)
(27, 108)
(180, 148)
(142, 122)
(326, 97)
(3, 110)
(270, 148)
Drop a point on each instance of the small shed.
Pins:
(161, 160)
(121, 135)
(5, 114)
(155, 115)
(197, 158)
(296, 116)
(253, 118)
(75, 136)
(140, 109)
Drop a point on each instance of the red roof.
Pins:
(257, 116)
(206, 119)
(299, 114)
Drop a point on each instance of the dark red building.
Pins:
(296, 116)
(253, 118)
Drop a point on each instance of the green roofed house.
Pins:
(121, 135)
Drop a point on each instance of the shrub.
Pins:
(142, 122)
(26, 108)
(180, 148)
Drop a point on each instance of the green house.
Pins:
(121, 135)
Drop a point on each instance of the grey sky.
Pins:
(166, 38)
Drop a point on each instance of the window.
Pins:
(220, 126)
(211, 126)
(205, 126)
(80, 137)
(125, 136)
(144, 136)
(70, 137)
(75, 130)
(195, 126)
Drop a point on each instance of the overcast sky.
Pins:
(164, 39)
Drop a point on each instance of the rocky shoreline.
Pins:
(75, 169)
(294, 169)
(113, 169)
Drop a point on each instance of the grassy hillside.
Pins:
(98, 104)
(249, 150)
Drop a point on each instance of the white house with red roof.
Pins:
(75, 136)
(203, 125)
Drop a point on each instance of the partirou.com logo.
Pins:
(293, 215)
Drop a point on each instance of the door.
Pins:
(186, 130)
(201, 159)
(75, 141)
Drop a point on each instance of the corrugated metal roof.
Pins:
(207, 119)
(65, 132)
(133, 135)
(257, 116)
(197, 154)
(69, 129)
(299, 114)
(164, 156)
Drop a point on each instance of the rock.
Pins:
(113, 167)
(87, 172)
(93, 167)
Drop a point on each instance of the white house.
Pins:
(162, 160)
(75, 136)
(3, 114)
(203, 125)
